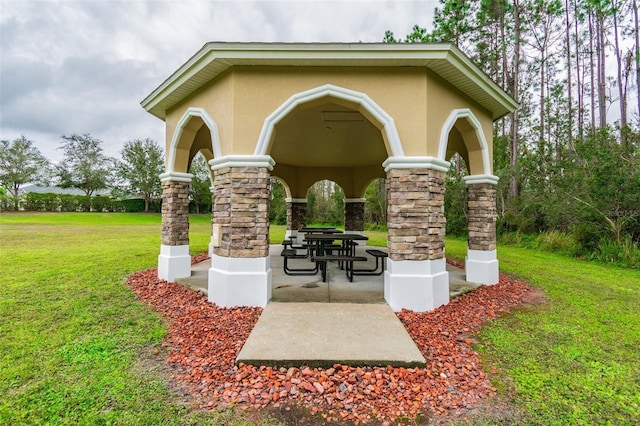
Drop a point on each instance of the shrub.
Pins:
(68, 203)
(557, 241)
(100, 204)
(132, 205)
(50, 202)
(624, 252)
(588, 237)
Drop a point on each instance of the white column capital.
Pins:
(242, 161)
(473, 179)
(175, 177)
(355, 200)
(415, 163)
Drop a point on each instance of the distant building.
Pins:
(37, 189)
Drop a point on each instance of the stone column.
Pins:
(354, 215)
(482, 263)
(296, 218)
(213, 234)
(240, 273)
(174, 260)
(416, 277)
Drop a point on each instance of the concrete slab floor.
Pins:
(337, 289)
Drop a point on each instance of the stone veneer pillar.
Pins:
(416, 277)
(213, 235)
(354, 215)
(296, 218)
(240, 273)
(174, 260)
(482, 263)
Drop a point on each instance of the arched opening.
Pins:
(376, 204)
(200, 200)
(325, 204)
(278, 206)
(470, 193)
(196, 133)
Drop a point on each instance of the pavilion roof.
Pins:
(444, 59)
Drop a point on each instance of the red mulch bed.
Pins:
(205, 339)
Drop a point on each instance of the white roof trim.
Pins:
(215, 58)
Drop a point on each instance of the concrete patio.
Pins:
(337, 289)
(315, 323)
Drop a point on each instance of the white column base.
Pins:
(174, 262)
(300, 238)
(354, 232)
(291, 234)
(418, 285)
(240, 281)
(482, 267)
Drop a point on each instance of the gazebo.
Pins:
(348, 112)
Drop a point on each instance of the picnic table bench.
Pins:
(377, 254)
(293, 254)
(348, 261)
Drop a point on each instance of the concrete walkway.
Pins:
(315, 323)
(323, 334)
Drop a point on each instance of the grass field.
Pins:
(77, 348)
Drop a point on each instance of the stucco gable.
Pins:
(215, 58)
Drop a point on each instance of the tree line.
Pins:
(569, 157)
(85, 166)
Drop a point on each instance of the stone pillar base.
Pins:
(174, 262)
(240, 281)
(418, 285)
(482, 267)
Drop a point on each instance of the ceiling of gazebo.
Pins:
(327, 135)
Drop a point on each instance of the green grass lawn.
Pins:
(77, 348)
(576, 358)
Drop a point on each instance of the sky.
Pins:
(84, 66)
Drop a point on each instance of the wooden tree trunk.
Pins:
(513, 160)
(592, 76)
(621, 89)
(600, 51)
(569, 80)
(637, 49)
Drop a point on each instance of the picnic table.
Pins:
(324, 249)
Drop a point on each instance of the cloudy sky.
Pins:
(83, 66)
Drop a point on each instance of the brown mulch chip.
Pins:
(204, 340)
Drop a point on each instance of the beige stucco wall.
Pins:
(353, 181)
(441, 100)
(242, 98)
(217, 99)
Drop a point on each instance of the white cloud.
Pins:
(83, 66)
